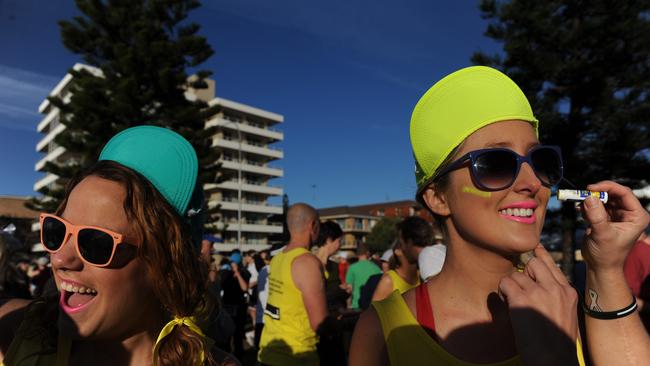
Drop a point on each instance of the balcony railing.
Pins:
(245, 201)
(247, 122)
(246, 161)
(251, 143)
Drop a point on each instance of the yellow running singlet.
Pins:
(287, 338)
(408, 343)
(399, 283)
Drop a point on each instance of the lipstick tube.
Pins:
(580, 195)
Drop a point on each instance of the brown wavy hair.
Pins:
(179, 278)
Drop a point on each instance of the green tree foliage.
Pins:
(585, 67)
(283, 237)
(143, 49)
(383, 234)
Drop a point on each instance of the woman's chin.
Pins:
(517, 247)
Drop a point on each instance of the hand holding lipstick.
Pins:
(614, 227)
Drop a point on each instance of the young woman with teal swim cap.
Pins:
(483, 173)
(132, 288)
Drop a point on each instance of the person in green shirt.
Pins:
(358, 274)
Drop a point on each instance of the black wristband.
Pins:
(608, 315)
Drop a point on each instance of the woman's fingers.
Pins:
(515, 287)
(615, 226)
(621, 195)
(524, 281)
(538, 271)
(510, 289)
(622, 205)
(545, 257)
(594, 212)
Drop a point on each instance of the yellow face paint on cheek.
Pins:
(476, 192)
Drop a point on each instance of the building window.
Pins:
(381, 212)
(230, 117)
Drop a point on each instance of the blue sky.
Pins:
(345, 74)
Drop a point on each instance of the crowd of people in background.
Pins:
(22, 274)
(352, 280)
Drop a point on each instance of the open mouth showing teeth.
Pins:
(518, 212)
(76, 296)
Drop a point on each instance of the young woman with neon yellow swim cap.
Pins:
(482, 172)
(132, 289)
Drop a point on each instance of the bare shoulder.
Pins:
(386, 280)
(8, 306)
(306, 271)
(306, 266)
(12, 313)
(369, 323)
(384, 288)
(368, 334)
(306, 260)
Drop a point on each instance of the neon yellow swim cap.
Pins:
(455, 107)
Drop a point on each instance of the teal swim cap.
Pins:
(162, 156)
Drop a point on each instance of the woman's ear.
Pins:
(398, 251)
(436, 201)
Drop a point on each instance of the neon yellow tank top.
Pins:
(408, 343)
(287, 338)
(399, 283)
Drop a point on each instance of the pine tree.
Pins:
(383, 234)
(280, 219)
(585, 67)
(143, 49)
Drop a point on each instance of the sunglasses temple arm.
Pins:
(453, 166)
(568, 181)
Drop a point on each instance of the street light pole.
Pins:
(239, 169)
(239, 166)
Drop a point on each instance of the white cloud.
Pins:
(386, 75)
(21, 92)
(14, 111)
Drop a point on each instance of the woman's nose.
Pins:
(67, 257)
(527, 180)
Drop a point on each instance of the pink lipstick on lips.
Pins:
(65, 297)
(523, 205)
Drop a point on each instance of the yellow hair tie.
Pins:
(189, 322)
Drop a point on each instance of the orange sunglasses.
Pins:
(95, 246)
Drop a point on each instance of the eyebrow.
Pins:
(508, 144)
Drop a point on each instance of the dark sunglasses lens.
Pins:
(53, 233)
(495, 169)
(95, 246)
(547, 163)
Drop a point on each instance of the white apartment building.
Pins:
(249, 162)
